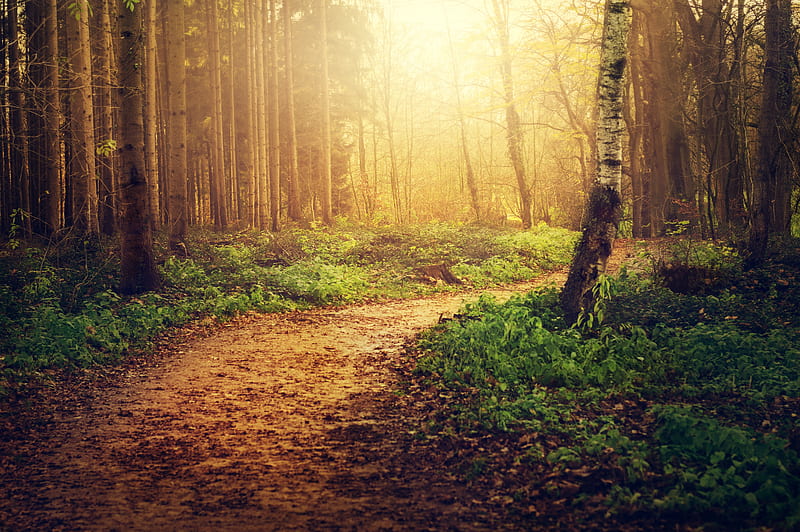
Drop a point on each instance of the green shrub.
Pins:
(730, 471)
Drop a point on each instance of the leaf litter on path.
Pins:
(273, 422)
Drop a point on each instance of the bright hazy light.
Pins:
(432, 17)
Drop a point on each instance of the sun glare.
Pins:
(432, 17)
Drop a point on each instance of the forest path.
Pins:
(275, 422)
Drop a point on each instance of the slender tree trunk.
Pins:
(327, 178)
(83, 168)
(232, 110)
(514, 133)
(262, 150)
(53, 119)
(293, 192)
(219, 208)
(249, 125)
(472, 184)
(176, 125)
(151, 121)
(20, 169)
(104, 52)
(138, 271)
(274, 131)
(604, 208)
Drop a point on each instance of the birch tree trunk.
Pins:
(604, 208)
(137, 269)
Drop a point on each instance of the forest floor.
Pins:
(307, 420)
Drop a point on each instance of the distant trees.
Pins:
(263, 113)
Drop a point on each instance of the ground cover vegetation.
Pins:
(677, 403)
(60, 308)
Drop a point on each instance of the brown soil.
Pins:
(273, 422)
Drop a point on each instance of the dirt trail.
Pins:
(275, 422)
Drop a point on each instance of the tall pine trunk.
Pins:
(293, 184)
(151, 137)
(274, 131)
(327, 178)
(219, 203)
(53, 118)
(104, 119)
(138, 271)
(177, 173)
(83, 168)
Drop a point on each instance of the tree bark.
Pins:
(260, 117)
(138, 271)
(83, 167)
(293, 185)
(604, 208)
(104, 116)
(327, 178)
(514, 133)
(774, 133)
(53, 119)
(274, 108)
(151, 114)
(219, 197)
(716, 125)
(176, 125)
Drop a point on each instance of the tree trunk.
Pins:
(716, 127)
(53, 118)
(176, 125)
(219, 206)
(232, 112)
(293, 185)
(248, 204)
(83, 167)
(260, 117)
(472, 184)
(151, 139)
(327, 178)
(774, 132)
(274, 108)
(514, 133)
(104, 52)
(604, 208)
(18, 130)
(138, 271)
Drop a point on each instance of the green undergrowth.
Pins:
(689, 401)
(59, 307)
